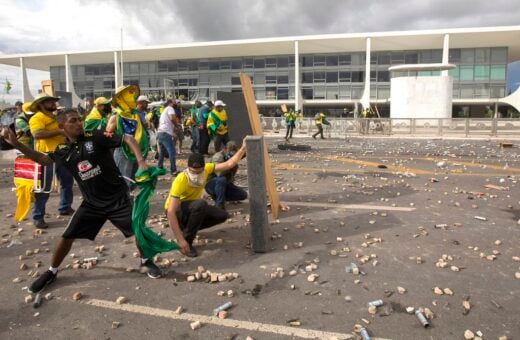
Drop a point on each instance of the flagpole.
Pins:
(122, 63)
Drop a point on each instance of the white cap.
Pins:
(143, 99)
(220, 103)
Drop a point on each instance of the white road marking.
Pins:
(237, 324)
(349, 206)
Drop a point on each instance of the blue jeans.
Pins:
(166, 146)
(66, 196)
(126, 167)
(221, 190)
(195, 139)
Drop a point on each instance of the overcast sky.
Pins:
(62, 25)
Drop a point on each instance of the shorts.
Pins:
(88, 220)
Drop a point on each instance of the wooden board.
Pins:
(256, 127)
(284, 108)
(47, 87)
(238, 121)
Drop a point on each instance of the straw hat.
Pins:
(40, 99)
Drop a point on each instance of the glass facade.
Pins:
(480, 73)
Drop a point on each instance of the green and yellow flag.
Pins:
(7, 86)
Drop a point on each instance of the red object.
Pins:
(24, 168)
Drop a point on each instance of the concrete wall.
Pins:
(421, 97)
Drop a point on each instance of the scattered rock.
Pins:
(401, 290)
(115, 324)
(195, 325)
(77, 296)
(468, 335)
(121, 300)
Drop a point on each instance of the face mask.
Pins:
(194, 180)
(107, 109)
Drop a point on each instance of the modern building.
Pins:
(319, 72)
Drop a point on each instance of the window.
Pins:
(225, 65)
(270, 93)
(373, 76)
(454, 55)
(344, 59)
(248, 63)
(411, 58)
(498, 72)
(358, 76)
(383, 76)
(259, 63)
(482, 72)
(214, 65)
(204, 79)
(235, 80)
(357, 92)
(193, 65)
(397, 58)
(283, 79)
(332, 92)
(482, 55)
(454, 72)
(332, 60)
(307, 61)
(307, 77)
(270, 62)
(332, 77)
(344, 77)
(182, 65)
(203, 65)
(344, 92)
(499, 55)
(319, 60)
(291, 60)
(282, 93)
(466, 91)
(172, 66)
(282, 61)
(259, 93)
(466, 73)
(467, 56)
(383, 59)
(383, 92)
(134, 68)
(437, 56)
(270, 79)
(320, 92)
(307, 93)
(236, 64)
(497, 92)
(357, 59)
(426, 56)
(319, 77)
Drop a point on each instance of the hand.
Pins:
(108, 134)
(185, 247)
(141, 164)
(9, 136)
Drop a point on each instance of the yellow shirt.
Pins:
(41, 121)
(181, 189)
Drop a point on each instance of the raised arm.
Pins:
(9, 136)
(233, 161)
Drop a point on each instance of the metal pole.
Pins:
(122, 63)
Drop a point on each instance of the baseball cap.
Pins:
(220, 103)
(102, 100)
(196, 160)
(142, 99)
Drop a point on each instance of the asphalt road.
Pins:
(375, 201)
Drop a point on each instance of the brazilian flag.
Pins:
(7, 86)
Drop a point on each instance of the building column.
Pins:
(69, 83)
(365, 99)
(297, 87)
(117, 81)
(446, 53)
(26, 92)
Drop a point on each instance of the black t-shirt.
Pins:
(90, 161)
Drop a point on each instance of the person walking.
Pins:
(165, 132)
(290, 120)
(204, 139)
(319, 120)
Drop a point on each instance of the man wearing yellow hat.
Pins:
(128, 121)
(97, 118)
(47, 136)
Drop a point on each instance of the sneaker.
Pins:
(193, 252)
(45, 279)
(69, 211)
(40, 224)
(151, 269)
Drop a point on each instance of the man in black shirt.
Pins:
(88, 158)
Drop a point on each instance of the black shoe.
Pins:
(45, 279)
(67, 212)
(151, 269)
(314, 137)
(193, 252)
(40, 224)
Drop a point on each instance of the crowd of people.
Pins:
(104, 149)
